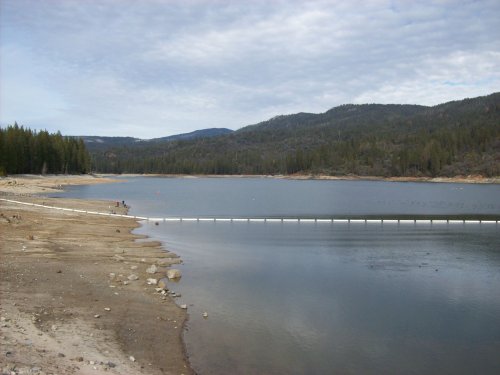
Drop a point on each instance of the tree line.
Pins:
(456, 138)
(441, 153)
(24, 151)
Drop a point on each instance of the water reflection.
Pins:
(322, 298)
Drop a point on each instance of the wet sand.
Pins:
(67, 304)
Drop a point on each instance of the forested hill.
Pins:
(455, 138)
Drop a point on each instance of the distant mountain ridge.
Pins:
(94, 143)
(454, 138)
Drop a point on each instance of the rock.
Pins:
(133, 267)
(132, 358)
(107, 309)
(205, 314)
(174, 274)
(97, 316)
(119, 258)
(162, 283)
(54, 327)
(61, 355)
(112, 275)
(133, 277)
(167, 262)
(164, 262)
(111, 364)
(152, 281)
(79, 359)
(152, 269)
(184, 307)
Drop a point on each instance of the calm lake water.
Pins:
(322, 298)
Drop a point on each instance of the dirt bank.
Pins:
(36, 184)
(67, 304)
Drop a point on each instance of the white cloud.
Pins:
(162, 67)
(439, 79)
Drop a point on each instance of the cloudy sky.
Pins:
(153, 68)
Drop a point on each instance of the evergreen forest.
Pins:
(454, 138)
(23, 150)
(450, 139)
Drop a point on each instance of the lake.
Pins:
(323, 298)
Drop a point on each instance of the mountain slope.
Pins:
(460, 137)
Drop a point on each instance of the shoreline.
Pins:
(470, 179)
(38, 184)
(68, 305)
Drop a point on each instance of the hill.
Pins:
(96, 143)
(454, 138)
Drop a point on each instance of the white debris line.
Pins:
(419, 221)
(70, 209)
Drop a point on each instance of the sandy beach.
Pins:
(70, 300)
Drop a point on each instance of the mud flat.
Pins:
(75, 297)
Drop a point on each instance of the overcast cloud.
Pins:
(154, 68)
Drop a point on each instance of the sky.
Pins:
(154, 68)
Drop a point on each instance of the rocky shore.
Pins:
(79, 294)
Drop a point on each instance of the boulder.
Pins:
(133, 277)
(174, 274)
(152, 281)
(152, 269)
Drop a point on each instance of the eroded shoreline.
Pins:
(69, 304)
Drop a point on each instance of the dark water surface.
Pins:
(322, 298)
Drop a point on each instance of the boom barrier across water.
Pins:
(267, 220)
